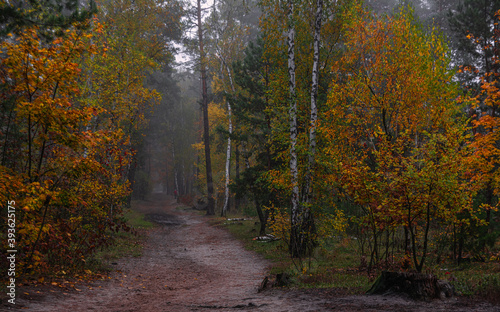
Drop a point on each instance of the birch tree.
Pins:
(228, 31)
(227, 42)
(302, 222)
(302, 23)
(225, 208)
(295, 234)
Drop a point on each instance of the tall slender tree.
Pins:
(303, 41)
(204, 104)
(292, 100)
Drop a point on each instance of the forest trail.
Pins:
(188, 265)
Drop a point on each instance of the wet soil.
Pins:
(188, 265)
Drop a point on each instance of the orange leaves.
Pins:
(48, 178)
(484, 162)
(392, 126)
(69, 108)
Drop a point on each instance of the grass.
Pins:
(327, 268)
(337, 265)
(137, 220)
(476, 279)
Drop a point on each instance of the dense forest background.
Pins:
(377, 119)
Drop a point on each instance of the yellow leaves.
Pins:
(217, 115)
(279, 223)
(35, 67)
(483, 163)
(331, 224)
(278, 179)
(394, 143)
(72, 171)
(116, 79)
(198, 146)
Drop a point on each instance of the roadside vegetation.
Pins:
(121, 245)
(124, 243)
(338, 264)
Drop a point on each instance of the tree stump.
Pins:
(416, 285)
(278, 280)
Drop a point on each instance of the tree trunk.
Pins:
(295, 231)
(237, 173)
(263, 215)
(225, 208)
(302, 223)
(308, 191)
(206, 136)
(407, 240)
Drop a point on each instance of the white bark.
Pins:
(228, 162)
(307, 192)
(225, 208)
(293, 116)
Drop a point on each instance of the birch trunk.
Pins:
(295, 211)
(225, 208)
(308, 191)
(206, 137)
(302, 221)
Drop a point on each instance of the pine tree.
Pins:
(473, 24)
(54, 15)
(206, 137)
(250, 107)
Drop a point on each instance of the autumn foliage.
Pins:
(71, 110)
(395, 150)
(394, 133)
(45, 158)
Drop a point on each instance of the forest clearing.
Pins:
(352, 147)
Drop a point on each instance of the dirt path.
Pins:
(188, 265)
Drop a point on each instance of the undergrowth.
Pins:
(338, 264)
(123, 244)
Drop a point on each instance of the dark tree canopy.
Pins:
(48, 14)
(473, 25)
